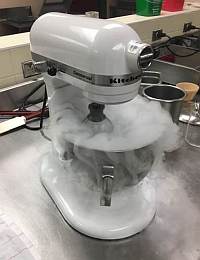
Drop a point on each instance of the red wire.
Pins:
(16, 113)
(27, 114)
(33, 115)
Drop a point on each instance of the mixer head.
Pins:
(103, 58)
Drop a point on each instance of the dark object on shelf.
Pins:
(16, 13)
(103, 9)
(114, 8)
(20, 26)
(61, 6)
(123, 7)
(20, 14)
(20, 18)
(81, 7)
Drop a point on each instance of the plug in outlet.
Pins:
(29, 69)
(157, 35)
(187, 27)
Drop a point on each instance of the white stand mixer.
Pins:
(87, 61)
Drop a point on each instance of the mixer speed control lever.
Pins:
(43, 67)
(52, 71)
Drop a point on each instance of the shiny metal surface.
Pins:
(94, 79)
(150, 77)
(173, 234)
(172, 73)
(170, 97)
(187, 109)
(107, 185)
(145, 57)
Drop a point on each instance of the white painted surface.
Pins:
(92, 45)
(131, 211)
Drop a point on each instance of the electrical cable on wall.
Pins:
(168, 43)
(32, 115)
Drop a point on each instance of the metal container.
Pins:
(170, 97)
(149, 78)
(172, 73)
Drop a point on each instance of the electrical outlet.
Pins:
(157, 35)
(187, 27)
(29, 69)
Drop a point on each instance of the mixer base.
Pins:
(131, 211)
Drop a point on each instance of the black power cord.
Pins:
(169, 41)
(192, 27)
(162, 35)
(25, 101)
(182, 56)
(41, 115)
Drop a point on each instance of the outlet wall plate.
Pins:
(157, 35)
(171, 22)
(186, 27)
(29, 69)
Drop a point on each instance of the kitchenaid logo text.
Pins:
(123, 80)
(103, 80)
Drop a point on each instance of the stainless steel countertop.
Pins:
(174, 234)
